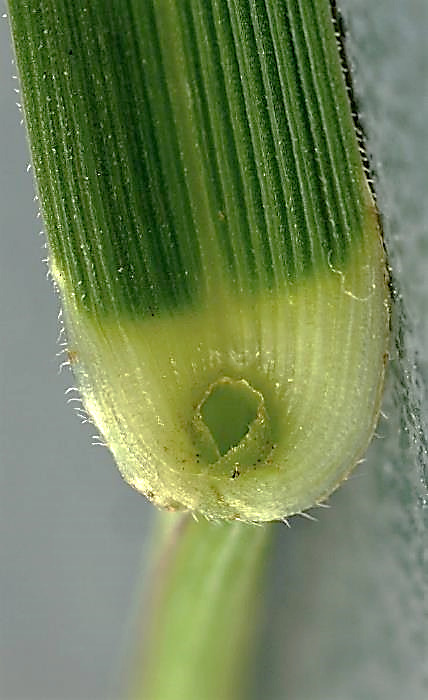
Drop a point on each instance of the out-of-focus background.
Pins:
(344, 614)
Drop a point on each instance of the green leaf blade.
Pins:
(210, 222)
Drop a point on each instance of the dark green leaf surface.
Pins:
(183, 146)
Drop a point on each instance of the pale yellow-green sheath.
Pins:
(214, 241)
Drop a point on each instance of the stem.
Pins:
(204, 602)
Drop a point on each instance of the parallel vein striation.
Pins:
(215, 242)
(237, 173)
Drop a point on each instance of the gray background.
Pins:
(344, 612)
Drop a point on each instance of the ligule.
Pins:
(214, 240)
